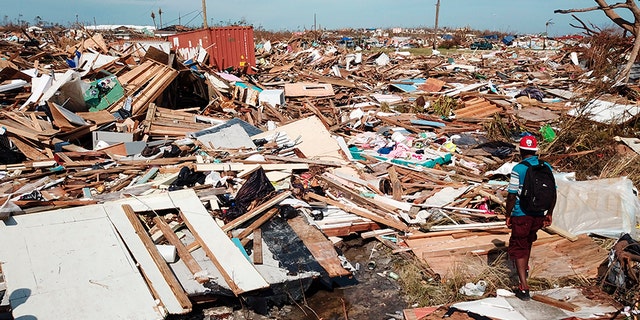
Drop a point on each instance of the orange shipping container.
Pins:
(228, 47)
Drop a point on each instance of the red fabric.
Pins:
(523, 234)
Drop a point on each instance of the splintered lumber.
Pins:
(561, 232)
(360, 212)
(150, 79)
(256, 211)
(30, 152)
(256, 225)
(237, 271)
(556, 303)
(318, 114)
(396, 185)
(320, 247)
(375, 233)
(168, 275)
(303, 160)
(183, 253)
(353, 195)
(476, 226)
(257, 246)
(241, 166)
(216, 244)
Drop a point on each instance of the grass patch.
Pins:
(422, 290)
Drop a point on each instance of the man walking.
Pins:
(530, 202)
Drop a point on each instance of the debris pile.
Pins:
(131, 166)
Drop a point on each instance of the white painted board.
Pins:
(232, 260)
(71, 264)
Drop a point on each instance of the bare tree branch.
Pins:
(608, 10)
(587, 30)
(600, 7)
(617, 19)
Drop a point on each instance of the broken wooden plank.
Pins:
(241, 166)
(256, 211)
(164, 269)
(360, 212)
(303, 160)
(256, 225)
(556, 303)
(396, 185)
(257, 246)
(320, 247)
(183, 253)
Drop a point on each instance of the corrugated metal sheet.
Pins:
(228, 47)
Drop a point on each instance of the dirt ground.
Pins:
(375, 296)
(370, 294)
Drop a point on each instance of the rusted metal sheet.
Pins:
(228, 47)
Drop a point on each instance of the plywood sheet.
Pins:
(71, 264)
(315, 140)
(228, 257)
(536, 114)
(308, 89)
(446, 254)
(564, 258)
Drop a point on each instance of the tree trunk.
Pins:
(633, 55)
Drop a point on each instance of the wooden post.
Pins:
(204, 14)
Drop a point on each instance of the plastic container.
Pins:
(547, 133)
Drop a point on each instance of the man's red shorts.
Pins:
(523, 234)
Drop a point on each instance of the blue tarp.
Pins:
(508, 40)
(408, 85)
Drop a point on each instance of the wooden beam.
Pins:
(561, 232)
(320, 247)
(227, 278)
(256, 225)
(302, 160)
(257, 246)
(168, 275)
(256, 211)
(396, 185)
(242, 166)
(183, 253)
(556, 303)
(359, 212)
(355, 196)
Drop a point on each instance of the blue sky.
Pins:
(515, 16)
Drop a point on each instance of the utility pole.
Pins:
(546, 33)
(160, 14)
(435, 29)
(204, 13)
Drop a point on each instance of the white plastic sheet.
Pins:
(607, 207)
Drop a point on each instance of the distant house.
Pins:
(171, 30)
